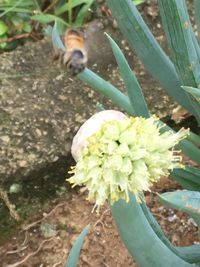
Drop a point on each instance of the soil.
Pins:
(45, 238)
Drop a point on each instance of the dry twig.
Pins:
(18, 263)
(57, 264)
(100, 220)
(27, 227)
(4, 197)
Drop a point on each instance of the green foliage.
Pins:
(189, 177)
(136, 96)
(197, 16)
(138, 228)
(140, 239)
(142, 41)
(75, 251)
(183, 44)
(138, 2)
(28, 18)
(187, 201)
(195, 92)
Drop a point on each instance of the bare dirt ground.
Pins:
(46, 238)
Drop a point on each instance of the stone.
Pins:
(42, 106)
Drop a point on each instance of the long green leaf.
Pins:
(11, 3)
(140, 239)
(189, 177)
(10, 8)
(149, 51)
(190, 150)
(190, 254)
(176, 23)
(65, 7)
(195, 92)
(187, 201)
(107, 89)
(75, 251)
(138, 2)
(82, 13)
(194, 138)
(133, 88)
(47, 18)
(183, 46)
(197, 16)
(16, 9)
(57, 43)
(189, 172)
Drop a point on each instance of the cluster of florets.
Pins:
(116, 155)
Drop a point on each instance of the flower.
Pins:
(116, 155)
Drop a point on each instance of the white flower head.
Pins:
(116, 155)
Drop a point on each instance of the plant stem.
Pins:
(70, 11)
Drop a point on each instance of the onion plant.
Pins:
(120, 156)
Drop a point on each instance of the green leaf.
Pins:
(107, 89)
(57, 43)
(19, 3)
(186, 201)
(183, 46)
(194, 138)
(75, 251)
(140, 239)
(47, 18)
(189, 177)
(138, 2)
(197, 16)
(16, 9)
(3, 27)
(82, 13)
(133, 88)
(195, 92)
(187, 147)
(65, 7)
(190, 150)
(190, 254)
(149, 51)
(178, 30)
(11, 8)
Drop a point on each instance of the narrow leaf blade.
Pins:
(75, 251)
(197, 16)
(57, 43)
(195, 92)
(182, 42)
(107, 89)
(140, 239)
(190, 254)
(65, 7)
(82, 13)
(149, 51)
(47, 18)
(186, 201)
(133, 88)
